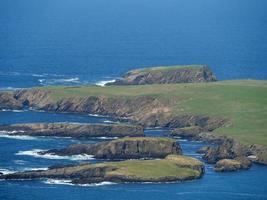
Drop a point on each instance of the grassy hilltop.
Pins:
(244, 102)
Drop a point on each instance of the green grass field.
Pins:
(244, 102)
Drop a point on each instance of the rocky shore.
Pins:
(227, 153)
(76, 130)
(125, 148)
(167, 75)
(172, 168)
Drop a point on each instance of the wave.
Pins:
(111, 122)
(18, 137)
(69, 182)
(10, 110)
(103, 83)
(107, 138)
(35, 153)
(59, 81)
(35, 169)
(6, 171)
(9, 88)
(96, 115)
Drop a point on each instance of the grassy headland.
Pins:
(244, 102)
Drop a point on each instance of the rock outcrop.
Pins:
(227, 165)
(172, 168)
(125, 148)
(167, 75)
(7, 101)
(73, 130)
(232, 149)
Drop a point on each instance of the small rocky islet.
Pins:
(141, 111)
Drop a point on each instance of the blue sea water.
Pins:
(80, 41)
(72, 42)
(17, 154)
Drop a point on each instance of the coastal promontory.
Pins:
(124, 148)
(172, 168)
(77, 130)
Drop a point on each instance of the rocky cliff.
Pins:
(167, 75)
(172, 168)
(125, 148)
(147, 111)
(73, 130)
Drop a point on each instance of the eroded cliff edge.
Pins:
(125, 148)
(172, 168)
(76, 130)
(167, 75)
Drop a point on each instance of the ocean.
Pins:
(74, 42)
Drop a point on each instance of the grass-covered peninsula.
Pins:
(243, 102)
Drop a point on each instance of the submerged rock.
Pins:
(125, 148)
(73, 130)
(167, 75)
(172, 168)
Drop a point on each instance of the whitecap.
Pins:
(9, 88)
(35, 153)
(6, 171)
(58, 81)
(18, 137)
(69, 182)
(107, 138)
(111, 122)
(103, 83)
(35, 169)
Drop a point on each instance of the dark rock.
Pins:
(177, 168)
(8, 101)
(203, 150)
(73, 130)
(167, 75)
(225, 165)
(125, 148)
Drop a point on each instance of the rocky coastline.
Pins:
(76, 130)
(125, 148)
(170, 169)
(167, 75)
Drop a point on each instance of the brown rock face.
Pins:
(73, 130)
(167, 76)
(226, 165)
(7, 101)
(125, 148)
(177, 168)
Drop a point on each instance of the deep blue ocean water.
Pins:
(81, 41)
(71, 42)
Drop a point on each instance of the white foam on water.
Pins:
(35, 169)
(68, 182)
(107, 138)
(103, 83)
(6, 171)
(59, 81)
(35, 153)
(17, 137)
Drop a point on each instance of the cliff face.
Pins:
(73, 130)
(147, 111)
(166, 76)
(172, 168)
(125, 148)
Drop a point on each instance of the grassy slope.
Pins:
(244, 102)
(166, 68)
(161, 168)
